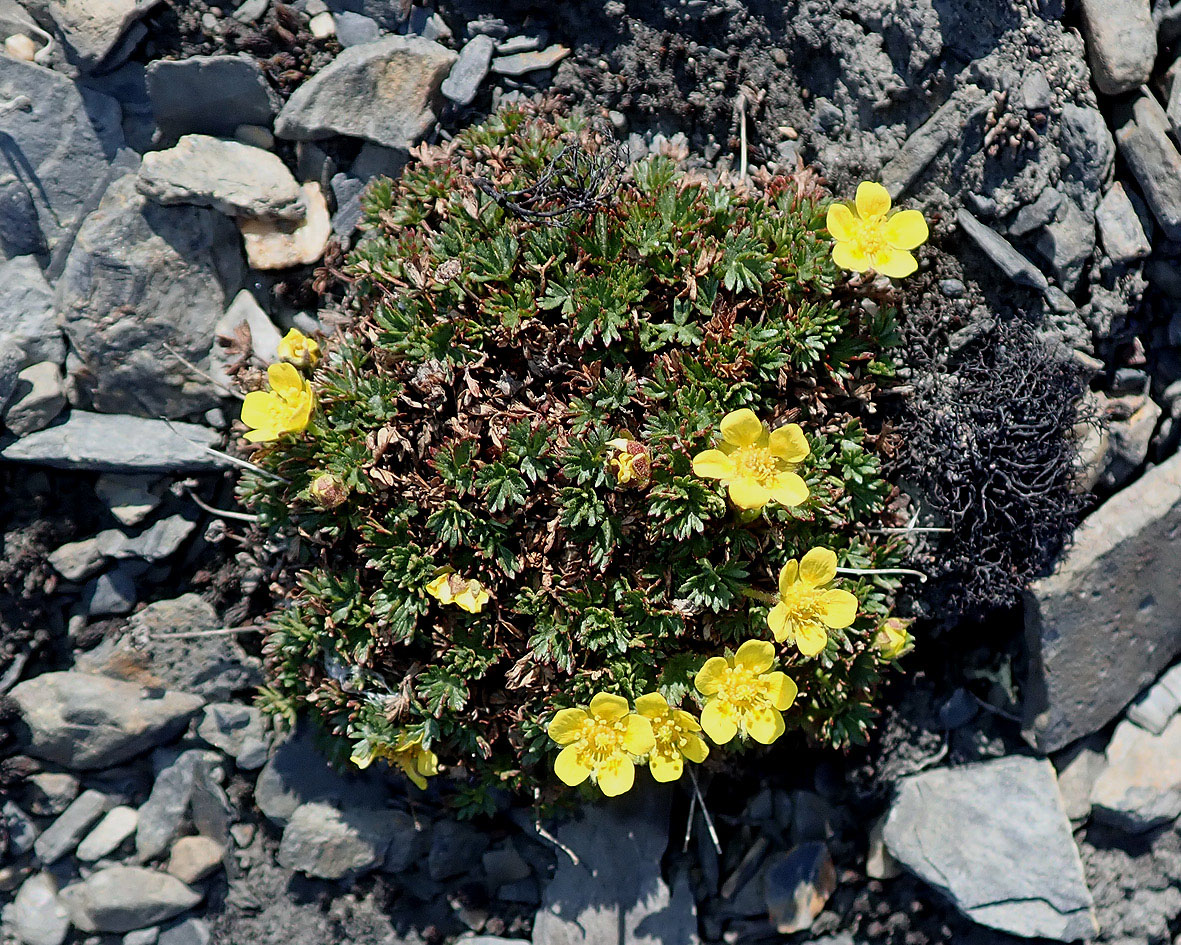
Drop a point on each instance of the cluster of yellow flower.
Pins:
(287, 406)
(408, 753)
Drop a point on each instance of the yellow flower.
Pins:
(675, 731)
(299, 349)
(742, 696)
(407, 753)
(631, 463)
(285, 408)
(875, 238)
(806, 606)
(893, 639)
(600, 742)
(756, 464)
(449, 588)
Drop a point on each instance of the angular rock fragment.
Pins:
(99, 33)
(463, 82)
(277, 245)
(1000, 251)
(384, 92)
(1121, 43)
(322, 841)
(797, 885)
(1003, 810)
(123, 898)
(526, 62)
(113, 443)
(194, 858)
(1140, 788)
(36, 400)
(1104, 625)
(210, 95)
(64, 833)
(1142, 136)
(1156, 706)
(109, 834)
(27, 319)
(38, 917)
(87, 722)
(1120, 229)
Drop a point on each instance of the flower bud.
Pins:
(631, 463)
(328, 491)
(893, 639)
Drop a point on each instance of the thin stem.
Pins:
(906, 530)
(919, 574)
(545, 834)
(689, 822)
(246, 464)
(762, 596)
(223, 632)
(709, 821)
(196, 370)
(223, 513)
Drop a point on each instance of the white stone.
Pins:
(20, 46)
(322, 25)
(112, 830)
(272, 245)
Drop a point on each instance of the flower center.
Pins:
(741, 689)
(602, 739)
(757, 463)
(802, 602)
(869, 236)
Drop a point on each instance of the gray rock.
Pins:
(615, 894)
(209, 95)
(213, 814)
(114, 592)
(375, 161)
(229, 726)
(1120, 229)
(347, 190)
(119, 824)
(456, 847)
(504, 865)
(36, 400)
(1111, 602)
(1038, 213)
(234, 178)
(1078, 767)
(59, 144)
(79, 559)
(129, 498)
(95, 32)
(264, 336)
(1142, 136)
(163, 814)
(18, 827)
(188, 932)
(463, 82)
(353, 29)
(124, 898)
(526, 62)
(1000, 251)
(51, 792)
(1005, 809)
(1140, 788)
(27, 319)
(194, 858)
(144, 284)
(1156, 706)
(408, 843)
(63, 834)
(1067, 243)
(38, 917)
(388, 15)
(148, 936)
(1121, 43)
(298, 774)
(929, 139)
(251, 11)
(1089, 149)
(385, 92)
(1131, 421)
(212, 666)
(114, 443)
(88, 722)
(322, 841)
(797, 885)
(11, 359)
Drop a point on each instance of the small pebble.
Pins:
(952, 288)
(256, 136)
(20, 46)
(322, 25)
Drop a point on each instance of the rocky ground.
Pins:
(176, 174)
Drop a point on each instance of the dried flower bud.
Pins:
(631, 462)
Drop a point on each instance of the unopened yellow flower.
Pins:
(675, 731)
(807, 606)
(449, 588)
(299, 349)
(285, 408)
(742, 696)
(874, 238)
(757, 464)
(631, 463)
(408, 753)
(893, 639)
(601, 742)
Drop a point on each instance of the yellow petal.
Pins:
(566, 725)
(695, 749)
(440, 588)
(408, 769)
(260, 436)
(789, 443)
(906, 229)
(685, 722)
(873, 200)
(840, 222)
(608, 707)
(818, 567)
(616, 775)
(781, 689)
(811, 638)
(895, 263)
(716, 721)
(789, 490)
(569, 767)
(666, 768)
(788, 575)
(755, 656)
(848, 256)
(427, 763)
(838, 608)
(652, 705)
(748, 494)
(764, 725)
(285, 380)
(710, 675)
(713, 464)
(260, 409)
(637, 737)
(777, 622)
(741, 427)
